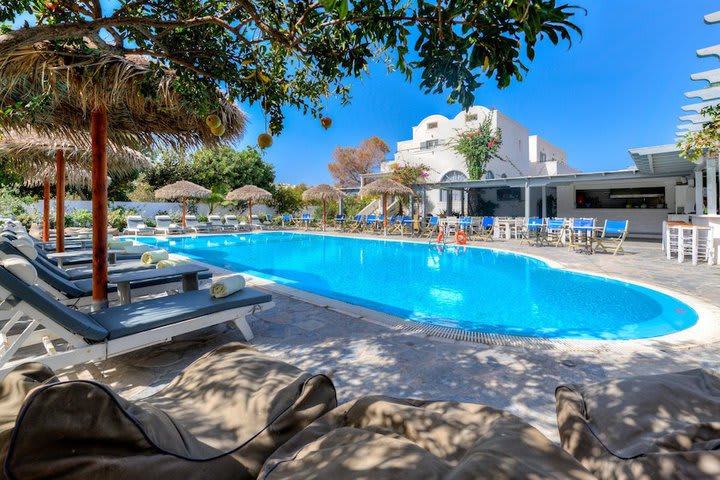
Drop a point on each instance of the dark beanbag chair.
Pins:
(220, 418)
(378, 438)
(646, 427)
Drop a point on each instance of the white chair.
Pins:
(136, 226)
(193, 225)
(164, 226)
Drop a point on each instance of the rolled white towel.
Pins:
(118, 244)
(140, 248)
(222, 287)
(154, 256)
(21, 268)
(174, 261)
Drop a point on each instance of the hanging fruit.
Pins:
(264, 140)
(213, 121)
(326, 122)
(218, 131)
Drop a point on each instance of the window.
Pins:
(489, 175)
(543, 157)
(504, 175)
(452, 176)
(507, 194)
(428, 144)
(431, 125)
(645, 197)
(471, 117)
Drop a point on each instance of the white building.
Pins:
(521, 155)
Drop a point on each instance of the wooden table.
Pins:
(59, 257)
(189, 274)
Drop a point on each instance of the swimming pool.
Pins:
(474, 289)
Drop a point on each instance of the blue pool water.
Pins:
(472, 288)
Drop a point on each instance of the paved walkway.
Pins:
(366, 358)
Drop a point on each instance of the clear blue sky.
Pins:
(620, 87)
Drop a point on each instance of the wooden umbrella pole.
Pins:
(184, 203)
(385, 213)
(98, 133)
(60, 201)
(323, 215)
(250, 206)
(46, 210)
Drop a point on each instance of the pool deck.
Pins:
(367, 357)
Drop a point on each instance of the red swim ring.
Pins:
(441, 237)
(461, 238)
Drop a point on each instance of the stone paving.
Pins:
(367, 358)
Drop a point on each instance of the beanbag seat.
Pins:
(380, 438)
(645, 427)
(220, 418)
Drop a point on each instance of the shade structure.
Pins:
(27, 151)
(385, 187)
(323, 192)
(139, 98)
(250, 194)
(123, 98)
(182, 190)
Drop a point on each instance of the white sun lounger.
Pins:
(193, 225)
(164, 226)
(135, 226)
(217, 225)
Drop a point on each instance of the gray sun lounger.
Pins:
(68, 337)
(78, 292)
(136, 226)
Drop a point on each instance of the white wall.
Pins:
(150, 209)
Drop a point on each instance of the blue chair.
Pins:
(534, 231)
(370, 221)
(340, 221)
(581, 234)
(613, 235)
(555, 231)
(286, 219)
(306, 220)
(358, 223)
(432, 226)
(487, 229)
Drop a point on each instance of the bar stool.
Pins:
(693, 241)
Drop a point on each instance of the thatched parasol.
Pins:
(122, 98)
(250, 194)
(28, 151)
(182, 190)
(385, 187)
(324, 193)
(71, 84)
(36, 159)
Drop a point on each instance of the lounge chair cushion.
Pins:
(128, 319)
(654, 426)
(386, 438)
(77, 322)
(219, 419)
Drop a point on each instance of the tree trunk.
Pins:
(98, 133)
(46, 210)
(60, 201)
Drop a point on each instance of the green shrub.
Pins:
(116, 216)
(27, 219)
(12, 204)
(203, 218)
(80, 218)
(150, 222)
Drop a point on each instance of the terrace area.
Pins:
(362, 355)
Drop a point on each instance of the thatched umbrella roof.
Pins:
(67, 84)
(30, 152)
(74, 176)
(385, 186)
(182, 189)
(322, 192)
(249, 193)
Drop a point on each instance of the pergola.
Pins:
(707, 171)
